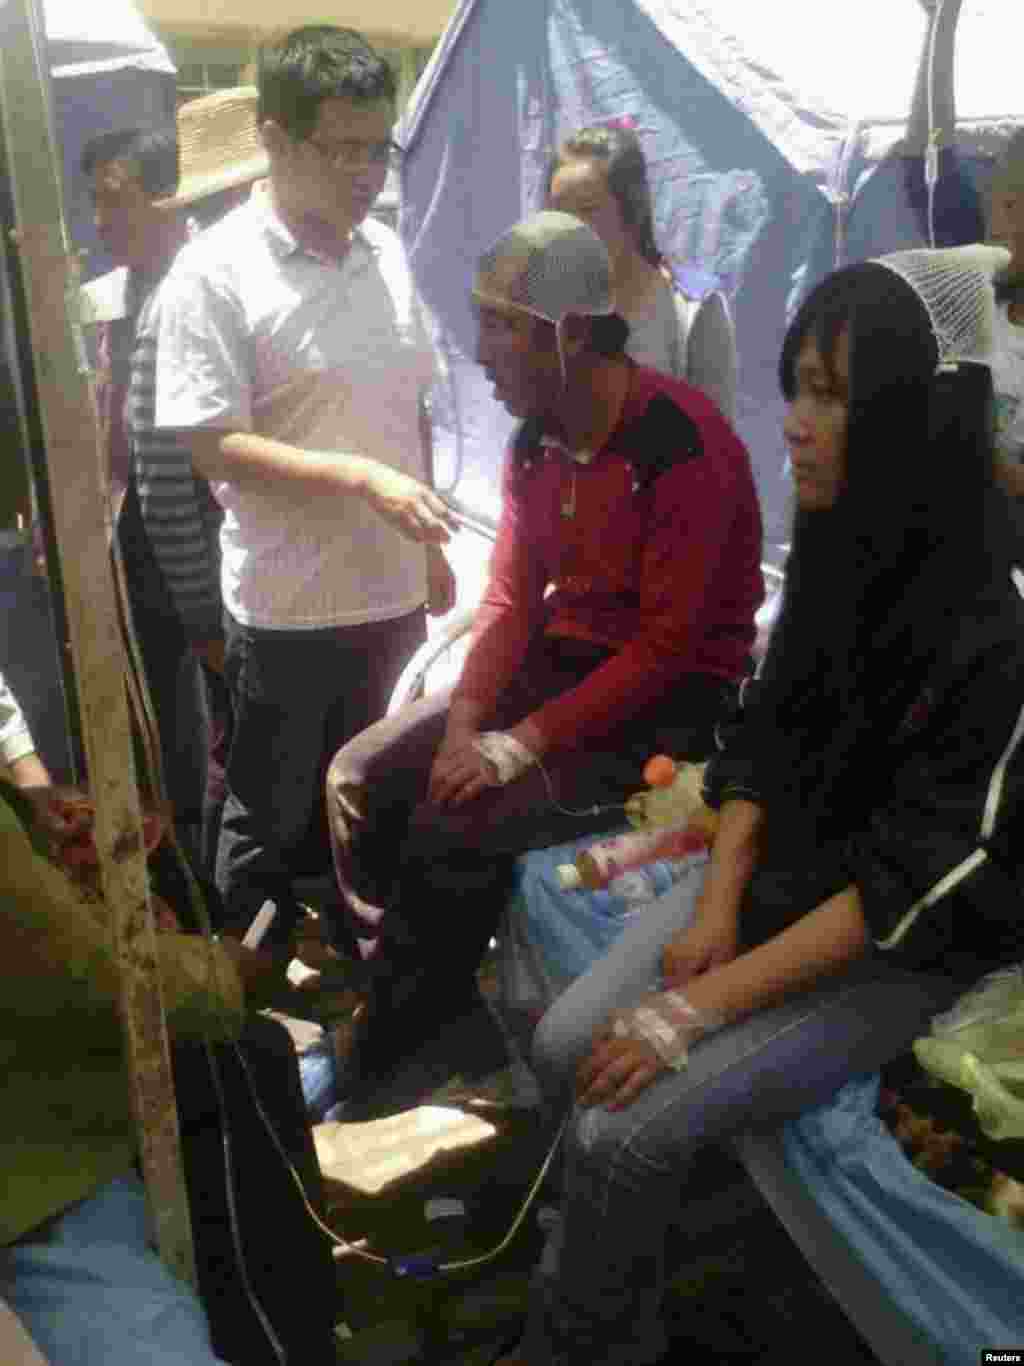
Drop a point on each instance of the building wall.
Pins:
(204, 66)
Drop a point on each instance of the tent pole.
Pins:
(77, 480)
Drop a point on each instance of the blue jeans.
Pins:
(296, 698)
(91, 1291)
(600, 1283)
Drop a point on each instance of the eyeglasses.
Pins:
(346, 155)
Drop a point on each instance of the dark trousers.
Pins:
(296, 696)
(274, 1251)
(221, 725)
(428, 883)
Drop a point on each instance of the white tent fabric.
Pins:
(88, 40)
(859, 59)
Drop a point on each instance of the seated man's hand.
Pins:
(616, 1071)
(459, 772)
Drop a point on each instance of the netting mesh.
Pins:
(955, 286)
(549, 265)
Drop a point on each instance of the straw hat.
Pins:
(218, 143)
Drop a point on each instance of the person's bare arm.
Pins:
(245, 458)
(713, 937)
(816, 945)
(820, 943)
(28, 771)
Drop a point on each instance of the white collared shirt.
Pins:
(256, 334)
(15, 739)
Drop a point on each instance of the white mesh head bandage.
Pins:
(955, 286)
(549, 265)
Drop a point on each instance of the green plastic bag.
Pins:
(978, 1046)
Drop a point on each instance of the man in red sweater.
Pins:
(617, 623)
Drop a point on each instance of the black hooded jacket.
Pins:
(916, 811)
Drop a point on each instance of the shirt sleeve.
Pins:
(696, 503)
(732, 773)
(510, 608)
(15, 738)
(202, 359)
(711, 354)
(174, 513)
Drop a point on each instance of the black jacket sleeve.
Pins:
(732, 773)
(927, 823)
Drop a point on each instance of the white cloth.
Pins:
(15, 738)
(508, 755)
(689, 339)
(1008, 382)
(257, 334)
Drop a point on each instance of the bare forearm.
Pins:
(733, 855)
(818, 944)
(465, 715)
(244, 457)
(28, 771)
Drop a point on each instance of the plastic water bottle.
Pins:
(638, 886)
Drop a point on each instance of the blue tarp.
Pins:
(953, 1270)
(747, 176)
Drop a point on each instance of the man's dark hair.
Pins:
(154, 151)
(313, 64)
(607, 334)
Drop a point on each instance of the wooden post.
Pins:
(77, 473)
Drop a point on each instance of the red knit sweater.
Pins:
(659, 560)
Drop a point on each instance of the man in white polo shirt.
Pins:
(293, 353)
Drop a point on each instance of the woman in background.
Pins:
(600, 175)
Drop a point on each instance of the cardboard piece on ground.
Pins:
(370, 1157)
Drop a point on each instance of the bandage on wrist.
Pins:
(508, 755)
(668, 1023)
